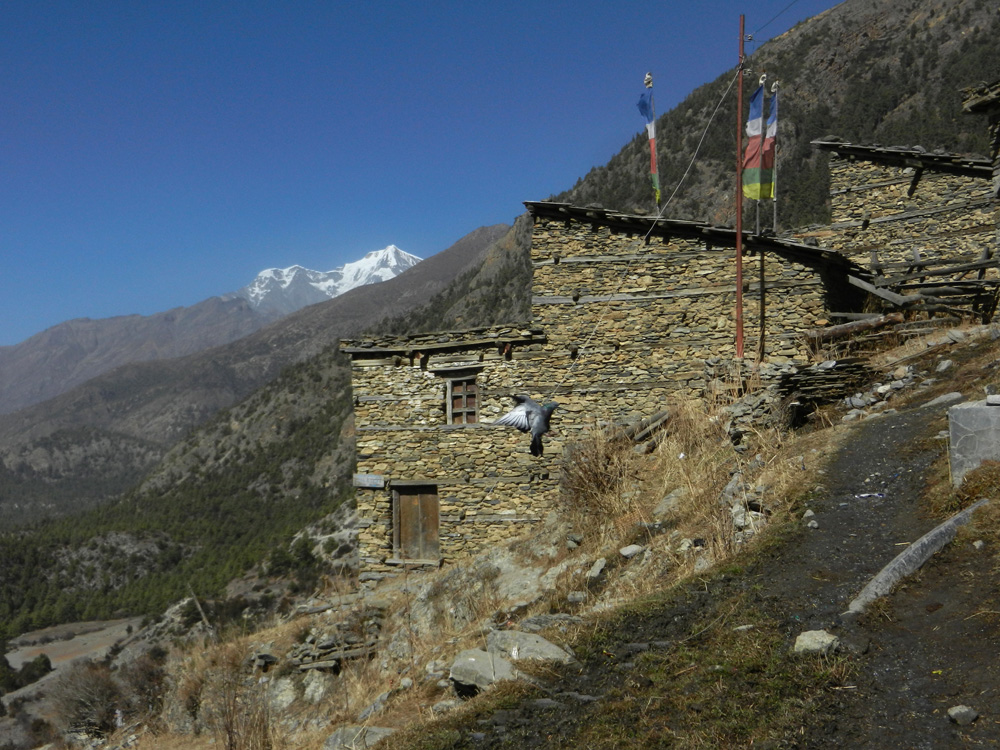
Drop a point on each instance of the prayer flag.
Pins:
(646, 109)
(758, 160)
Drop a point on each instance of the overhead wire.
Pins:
(645, 238)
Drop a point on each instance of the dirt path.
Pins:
(928, 646)
(932, 643)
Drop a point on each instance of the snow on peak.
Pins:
(288, 289)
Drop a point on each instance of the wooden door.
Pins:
(417, 523)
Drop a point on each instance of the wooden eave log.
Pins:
(639, 431)
(832, 333)
(909, 302)
(963, 268)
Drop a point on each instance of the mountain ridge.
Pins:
(68, 354)
(281, 291)
(143, 408)
(854, 40)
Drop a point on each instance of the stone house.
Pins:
(926, 224)
(628, 314)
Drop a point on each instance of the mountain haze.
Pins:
(68, 354)
(143, 408)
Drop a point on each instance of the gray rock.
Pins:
(596, 569)
(514, 644)
(281, 693)
(580, 697)
(377, 705)
(943, 366)
(448, 704)
(816, 642)
(356, 738)
(631, 550)
(481, 669)
(576, 597)
(541, 622)
(670, 503)
(963, 715)
(948, 398)
(734, 488)
(315, 685)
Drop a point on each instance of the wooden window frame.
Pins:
(461, 413)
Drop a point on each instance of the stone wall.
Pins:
(489, 487)
(622, 328)
(892, 212)
(630, 323)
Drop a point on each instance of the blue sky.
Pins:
(154, 154)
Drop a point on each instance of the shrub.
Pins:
(86, 699)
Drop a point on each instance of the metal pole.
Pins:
(774, 187)
(760, 151)
(739, 200)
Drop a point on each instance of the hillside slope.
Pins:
(66, 355)
(87, 445)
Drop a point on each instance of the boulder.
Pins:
(281, 694)
(963, 715)
(596, 569)
(356, 737)
(477, 668)
(514, 644)
(816, 642)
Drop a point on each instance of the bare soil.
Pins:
(928, 646)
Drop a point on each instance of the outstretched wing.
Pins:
(519, 416)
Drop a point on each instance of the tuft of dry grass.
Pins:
(597, 474)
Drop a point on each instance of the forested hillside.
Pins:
(888, 71)
(223, 500)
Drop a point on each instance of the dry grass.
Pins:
(610, 494)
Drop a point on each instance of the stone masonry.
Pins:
(622, 326)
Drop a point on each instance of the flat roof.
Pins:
(982, 98)
(909, 156)
(660, 227)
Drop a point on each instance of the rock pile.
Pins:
(354, 638)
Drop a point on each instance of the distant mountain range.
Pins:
(71, 353)
(281, 291)
(89, 443)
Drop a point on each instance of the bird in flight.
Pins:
(529, 416)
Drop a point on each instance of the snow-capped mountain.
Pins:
(284, 290)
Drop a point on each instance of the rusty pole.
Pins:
(739, 200)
